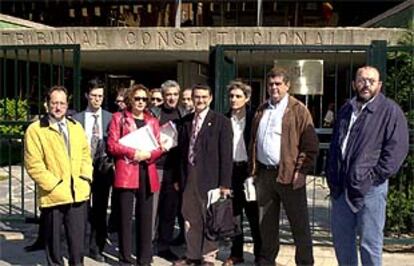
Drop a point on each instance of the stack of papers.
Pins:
(141, 139)
(169, 135)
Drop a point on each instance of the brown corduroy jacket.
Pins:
(299, 142)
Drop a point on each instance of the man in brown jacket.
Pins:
(283, 149)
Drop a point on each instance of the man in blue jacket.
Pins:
(369, 144)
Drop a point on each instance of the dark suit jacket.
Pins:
(101, 161)
(213, 151)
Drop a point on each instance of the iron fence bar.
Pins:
(63, 68)
(23, 182)
(27, 78)
(4, 81)
(39, 79)
(51, 76)
(76, 77)
(10, 176)
(15, 81)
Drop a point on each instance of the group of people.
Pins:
(71, 161)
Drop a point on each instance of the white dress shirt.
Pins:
(239, 146)
(269, 132)
(90, 120)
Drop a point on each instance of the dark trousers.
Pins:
(101, 186)
(251, 209)
(143, 222)
(194, 210)
(73, 217)
(168, 202)
(269, 195)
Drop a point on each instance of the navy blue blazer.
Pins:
(376, 148)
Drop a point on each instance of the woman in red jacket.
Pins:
(135, 176)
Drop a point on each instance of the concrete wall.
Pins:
(195, 39)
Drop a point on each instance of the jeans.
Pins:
(367, 223)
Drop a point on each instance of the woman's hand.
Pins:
(141, 155)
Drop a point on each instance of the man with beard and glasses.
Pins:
(58, 159)
(369, 144)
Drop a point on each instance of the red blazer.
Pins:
(126, 170)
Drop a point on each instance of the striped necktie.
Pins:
(61, 126)
(95, 135)
(194, 133)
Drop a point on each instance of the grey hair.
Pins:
(169, 84)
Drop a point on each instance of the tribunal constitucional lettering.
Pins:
(189, 38)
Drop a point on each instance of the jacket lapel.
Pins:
(208, 122)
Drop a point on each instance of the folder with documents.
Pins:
(141, 139)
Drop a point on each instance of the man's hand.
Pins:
(141, 155)
(299, 180)
(225, 192)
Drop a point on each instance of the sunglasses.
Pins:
(158, 100)
(144, 99)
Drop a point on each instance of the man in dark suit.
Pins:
(206, 143)
(95, 121)
(241, 122)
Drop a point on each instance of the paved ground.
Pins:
(14, 235)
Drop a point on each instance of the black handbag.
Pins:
(220, 222)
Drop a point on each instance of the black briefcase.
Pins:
(220, 221)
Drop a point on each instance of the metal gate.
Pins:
(26, 74)
(251, 63)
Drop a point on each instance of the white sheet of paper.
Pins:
(141, 139)
(169, 135)
(249, 189)
(213, 195)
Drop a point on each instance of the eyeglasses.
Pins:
(364, 81)
(144, 99)
(158, 100)
(119, 101)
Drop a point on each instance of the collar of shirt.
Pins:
(281, 104)
(53, 122)
(89, 122)
(90, 112)
(354, 105)
(202, 115)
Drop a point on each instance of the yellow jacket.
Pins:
(61, 180)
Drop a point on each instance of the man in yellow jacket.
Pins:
(57, 158)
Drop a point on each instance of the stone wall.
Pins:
(195, 39)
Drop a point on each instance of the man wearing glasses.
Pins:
(57, 158)
(95, 121)
(156, 98)
(369, 144)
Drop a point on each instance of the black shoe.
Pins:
(97, 256)
(167, 255)
(178, 241)
(36, 246)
